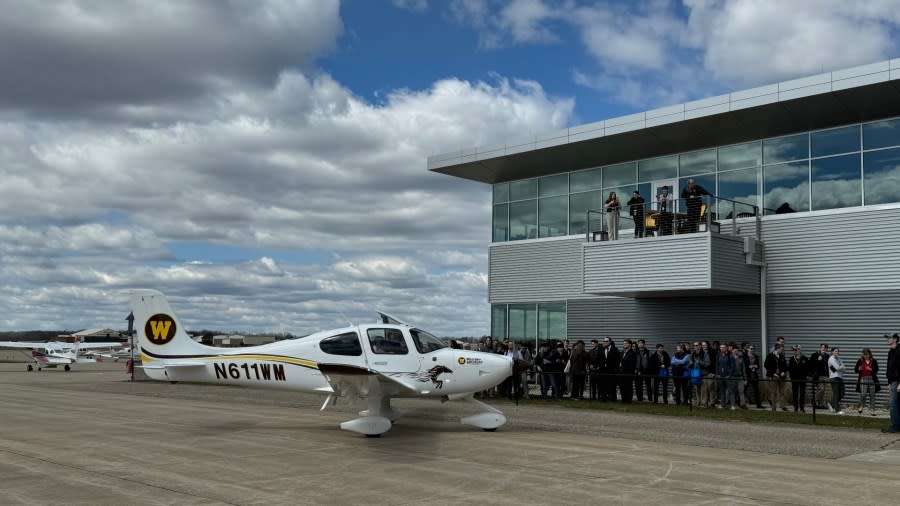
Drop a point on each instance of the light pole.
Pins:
(130, 319)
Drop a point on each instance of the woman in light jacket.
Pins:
(836, 375)
(612, 215)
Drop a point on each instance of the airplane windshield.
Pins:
(425, 342)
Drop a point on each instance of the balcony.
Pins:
(687, 251)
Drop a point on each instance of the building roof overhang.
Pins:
(826, 100)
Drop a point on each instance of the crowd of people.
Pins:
(706, 375)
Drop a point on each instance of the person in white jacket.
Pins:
(836, 375)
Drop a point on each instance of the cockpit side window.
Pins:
(387, 342)
(425, 342)
(343, 344)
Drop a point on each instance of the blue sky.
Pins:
(263, 163)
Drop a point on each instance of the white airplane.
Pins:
(374, 363)
(51, 355)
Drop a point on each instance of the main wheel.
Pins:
(67, 368)
(490, 430)
(29, 368)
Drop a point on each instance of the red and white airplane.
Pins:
(371, 362)
(54, 354)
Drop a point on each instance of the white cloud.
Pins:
(411, 5)
(284, 162)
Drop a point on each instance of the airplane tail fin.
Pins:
(159, 333)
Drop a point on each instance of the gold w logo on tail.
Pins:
(160, 329)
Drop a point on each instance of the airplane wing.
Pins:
(22, 345)
(96, 346)
(354, 380)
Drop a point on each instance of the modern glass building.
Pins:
(826, 147)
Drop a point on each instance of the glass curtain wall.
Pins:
(531, 323)
(826, 169)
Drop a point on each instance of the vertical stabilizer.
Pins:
(159, 333)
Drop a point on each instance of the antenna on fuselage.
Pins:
(349, 322)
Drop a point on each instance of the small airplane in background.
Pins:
(53, 354)
(372, 363)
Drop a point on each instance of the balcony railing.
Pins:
(671, 216)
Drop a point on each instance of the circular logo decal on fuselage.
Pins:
(160, 329)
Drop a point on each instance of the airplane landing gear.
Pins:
(29, 368)
(373, 422)
(487, 421)
(67, 368)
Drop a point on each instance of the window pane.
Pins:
(579, 203)
(698, 162)
(585, 180)
(387, 342)
(785, 149)
(501, 193)
(498, 321)
(741, 186)
(552, 320)
(554, 185)
(344, 344)
(523, 220)
(425, 342)
(786, 184)
(554, 216)
(501, 227)
(882, 169)
(881, 134)
(740, 156)
(526, 189)
(656, 168)
(522, 321)
(836, 182)
(617, 175)
(836, 141)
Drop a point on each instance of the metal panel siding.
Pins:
(848, 320)
(535, 271)
(647, 265)
(730, 271)
(668, 320)
(830, 252)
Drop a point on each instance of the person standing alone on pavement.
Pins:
(893, 378)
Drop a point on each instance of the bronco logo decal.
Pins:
(160, 329)
(431, 375)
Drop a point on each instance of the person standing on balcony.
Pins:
(665, 207)
(636, 210)
(612, 215)
(693, 194)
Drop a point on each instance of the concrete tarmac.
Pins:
(91, 437)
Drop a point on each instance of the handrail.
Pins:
(676, 221)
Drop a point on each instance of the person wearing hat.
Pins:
(893, 379)
(636, 210)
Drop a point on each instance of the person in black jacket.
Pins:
(893, 379)
(660, 368)
(693, 194)
(643, 374)
(776, 373)
(609, 370)
(594, 363)
(627, 369)
(636, 210)
(798, 368)
(818, 369)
